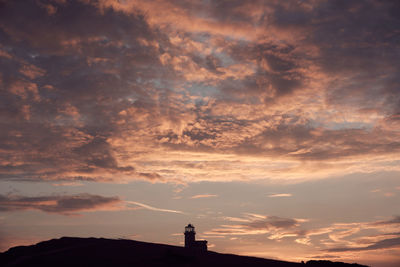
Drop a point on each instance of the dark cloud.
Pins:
(66, 76)
(386, 243)
(278, 71)
(356, 43)
(97, 154)
(395, 220)
(73, 21)
(357, 40)
(326, 257)
(65, 205)
(273, 222)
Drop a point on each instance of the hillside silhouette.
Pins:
(99, 252)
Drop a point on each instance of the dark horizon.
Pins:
(75, 251)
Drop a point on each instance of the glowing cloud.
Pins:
(152, 208)
(280, 195)
(203, 196)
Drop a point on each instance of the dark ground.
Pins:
(100, 252)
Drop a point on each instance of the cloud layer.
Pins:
(103, 90)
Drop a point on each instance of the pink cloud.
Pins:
(62, 204)
(203, 196)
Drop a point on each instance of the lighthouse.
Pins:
(190, 239)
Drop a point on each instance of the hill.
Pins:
(99, 252)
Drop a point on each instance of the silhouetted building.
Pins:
(190, 239)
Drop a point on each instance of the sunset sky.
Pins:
(272, 126)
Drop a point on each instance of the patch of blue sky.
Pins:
(348, 125)
(226, 59)
(201, 89)
(342, 125)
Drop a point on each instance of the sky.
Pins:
(272, 126)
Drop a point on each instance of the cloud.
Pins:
(309, 88)
(68, 184)
(335, 237)
(70, 204)
(394, 220)
(280, 195)
(203, 196)
(273, 222)
(359, 236)
(382, 244)
(65, 89)
(64, 204)
(152, 208)
(326, 257)
(256, 224)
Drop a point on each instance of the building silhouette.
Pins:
(190, 239)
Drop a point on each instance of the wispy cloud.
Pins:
(280, 195)
(204, 196)
(68, 184)
(336, 237)
(382, 244)
(395, 220)
(148, 207)
(256, 224)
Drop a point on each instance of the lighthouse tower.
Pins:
(191, 242)
(190, 239)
